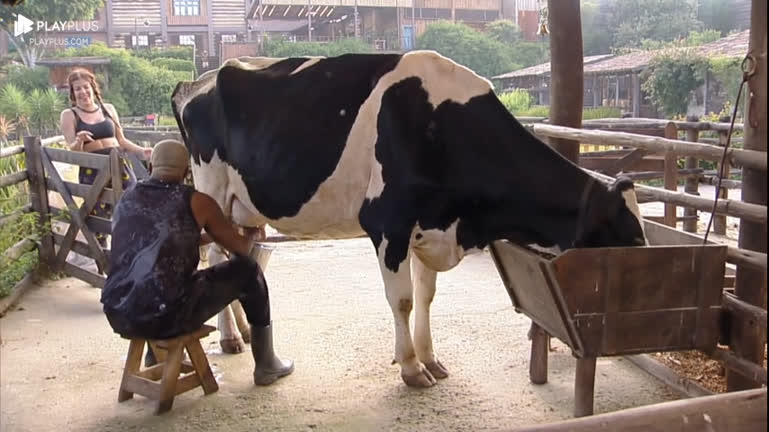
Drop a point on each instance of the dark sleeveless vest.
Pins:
(155, 241)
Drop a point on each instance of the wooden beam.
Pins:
(737, 306)
(17, 250)
(668, 376)
(691, 185)
(10, 151)
(739, 411)
(737, 157)
(12, 179)
(38, 196)
(566, 79)
(12, 216)
(745, 257)
(670, 176)
(752, 371)
(748, 342)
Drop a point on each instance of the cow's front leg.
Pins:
(229, 337)
(424, 279)
(399, 292)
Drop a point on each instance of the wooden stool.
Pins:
(162, 382)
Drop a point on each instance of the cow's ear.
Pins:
(622, 184)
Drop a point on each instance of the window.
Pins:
(187, 7)
(186, 39)
(229, 38)
(143, 40)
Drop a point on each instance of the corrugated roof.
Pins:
(544, 68)
(734, 45)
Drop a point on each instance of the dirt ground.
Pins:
(60, 364)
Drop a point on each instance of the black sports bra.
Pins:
(100, 130)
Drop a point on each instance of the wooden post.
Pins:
(538, 360)
(38, 195)
(671, 175)
(584, 385)
(719, 221)
(747, 337)
(566, 81)
(566, 93)
(691, 185)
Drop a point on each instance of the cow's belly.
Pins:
(332, 212)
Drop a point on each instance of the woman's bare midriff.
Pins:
(93, 146)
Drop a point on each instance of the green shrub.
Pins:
(516, 101)
(145, 88)
(26, 79)
(278, 47)
(174, 64)
(600, 113)
(174, 52)
(15, 271)
(671, 79)
(535, 111)
(25, 226)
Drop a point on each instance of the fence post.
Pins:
(719, 221)
(671, 175)
(748, 340)
(38, 196)
(691, 185)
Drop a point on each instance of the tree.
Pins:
(672, 77)
(632, 21)
(468, 47)
(717, 15)
(504, 31)
(596, 38)
(44, 10)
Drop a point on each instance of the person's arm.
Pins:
(210, 217)
(75, 141)
(205, 239)
(123, 142)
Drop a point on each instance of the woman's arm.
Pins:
(124, 142)
(74, 140)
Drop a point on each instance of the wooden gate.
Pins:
(75, 214)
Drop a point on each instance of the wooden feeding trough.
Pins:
(617, 301)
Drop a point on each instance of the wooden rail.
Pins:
(737, 411)
(738, 157)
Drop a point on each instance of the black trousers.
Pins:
(216, 287)
(208, 292)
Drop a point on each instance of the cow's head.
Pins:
(611, 219)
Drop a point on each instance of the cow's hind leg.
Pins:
(424, 289)
(229, 337)
(399, 292)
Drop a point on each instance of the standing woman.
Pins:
(92, 126)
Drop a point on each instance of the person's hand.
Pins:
(147, 153)
(81, 138)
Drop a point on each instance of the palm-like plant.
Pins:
(15, 105)
(45, 106)
(7, 127)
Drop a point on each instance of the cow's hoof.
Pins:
(423, 379)
(232, 346)
(437, 369)
(246, 335)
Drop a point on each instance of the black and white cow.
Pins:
(413, 150)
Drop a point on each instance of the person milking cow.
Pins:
(154, 289)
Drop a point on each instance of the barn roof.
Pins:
(544, 68)
(73, 61)
(733, 45)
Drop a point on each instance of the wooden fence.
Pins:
(635, 148)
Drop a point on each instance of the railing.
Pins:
(672, 148)
(26, 244)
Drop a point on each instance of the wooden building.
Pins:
(615, 81)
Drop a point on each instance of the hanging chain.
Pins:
(748, 69)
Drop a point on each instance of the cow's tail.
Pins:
(180, 92)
